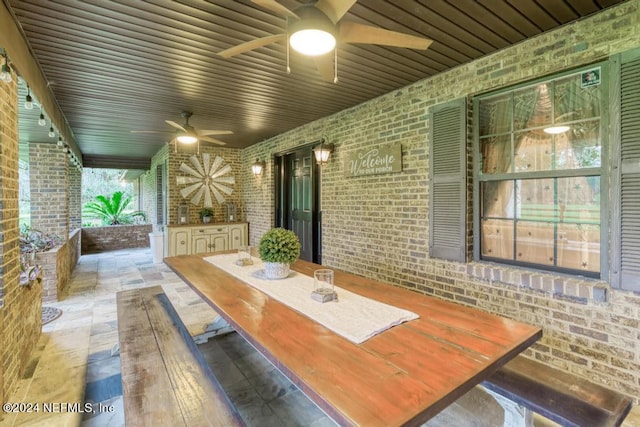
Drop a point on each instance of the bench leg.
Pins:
(218, 327)
(514, 415)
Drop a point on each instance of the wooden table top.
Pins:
(402, 376)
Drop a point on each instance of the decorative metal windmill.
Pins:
(206, 180)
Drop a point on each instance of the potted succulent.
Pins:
(278, 248)
(33, 241)
(206, 214)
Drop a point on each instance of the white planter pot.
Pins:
(276, 270)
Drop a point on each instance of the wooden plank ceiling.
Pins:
(119, 66)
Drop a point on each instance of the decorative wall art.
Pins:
(374, 161)
(207, 180)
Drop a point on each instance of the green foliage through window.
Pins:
(115, 210)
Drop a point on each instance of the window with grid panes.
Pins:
(540, 156)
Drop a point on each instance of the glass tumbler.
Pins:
(323, 281)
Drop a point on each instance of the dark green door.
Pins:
(298, 204)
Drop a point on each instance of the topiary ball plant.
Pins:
(279, 245)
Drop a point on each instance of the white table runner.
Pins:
(354, 317)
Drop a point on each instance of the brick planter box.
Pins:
(102, 239)
(57, 265)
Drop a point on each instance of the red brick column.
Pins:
(20, 306)
(49, 181)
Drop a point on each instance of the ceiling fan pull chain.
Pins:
(288, 67)
(335, 65)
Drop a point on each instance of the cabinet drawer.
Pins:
(205, 231)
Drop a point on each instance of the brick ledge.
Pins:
(578, 289)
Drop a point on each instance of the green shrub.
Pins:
(279, 245)
(114, 210)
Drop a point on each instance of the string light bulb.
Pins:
(60, 143)
(5, 71)
(28, 100)
(41, 120)
(52, 133)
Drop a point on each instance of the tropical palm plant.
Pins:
(114, 210)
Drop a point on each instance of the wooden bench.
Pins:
(165, 379)
(558, 395)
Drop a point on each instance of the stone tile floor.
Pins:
(76, 372)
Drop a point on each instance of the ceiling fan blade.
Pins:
(335, 9)
(324, 64)
(212, 140)
(175, 125)
(352, 32)
(214, 132)
(151, 131)
(276, 7)
(250, 45)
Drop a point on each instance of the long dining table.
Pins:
(402, 376)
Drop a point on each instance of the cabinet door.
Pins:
(179, 242)
(200, 244)
(219, 242)
(237, 236)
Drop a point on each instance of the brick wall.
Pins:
(57, 266)
(109, 238)
(75, 197)
(20, 307)
(377, 226)
(49, 181)
(257, 191)
(231, 157)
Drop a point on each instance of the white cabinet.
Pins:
(187, 240)
(209, 239)
(178, 241)
(238, 235)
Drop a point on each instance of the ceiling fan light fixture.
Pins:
(313, 34)
(312, 42)
(186, 139)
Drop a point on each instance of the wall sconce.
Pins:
(322, 152)
(257, 167)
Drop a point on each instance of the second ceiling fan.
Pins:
(188, 134)
(313, 29)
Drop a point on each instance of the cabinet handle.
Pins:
(219, 229)
(236, 238)
(182, 242)
(201, 230)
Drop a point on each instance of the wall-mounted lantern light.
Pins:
(323, 151)
(257, 167)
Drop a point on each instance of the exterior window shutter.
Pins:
(630, 173)
(159, 194)
(447, 181)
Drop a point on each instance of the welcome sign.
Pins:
(374, 161)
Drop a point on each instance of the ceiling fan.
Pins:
(314, 28)
(187, 134)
